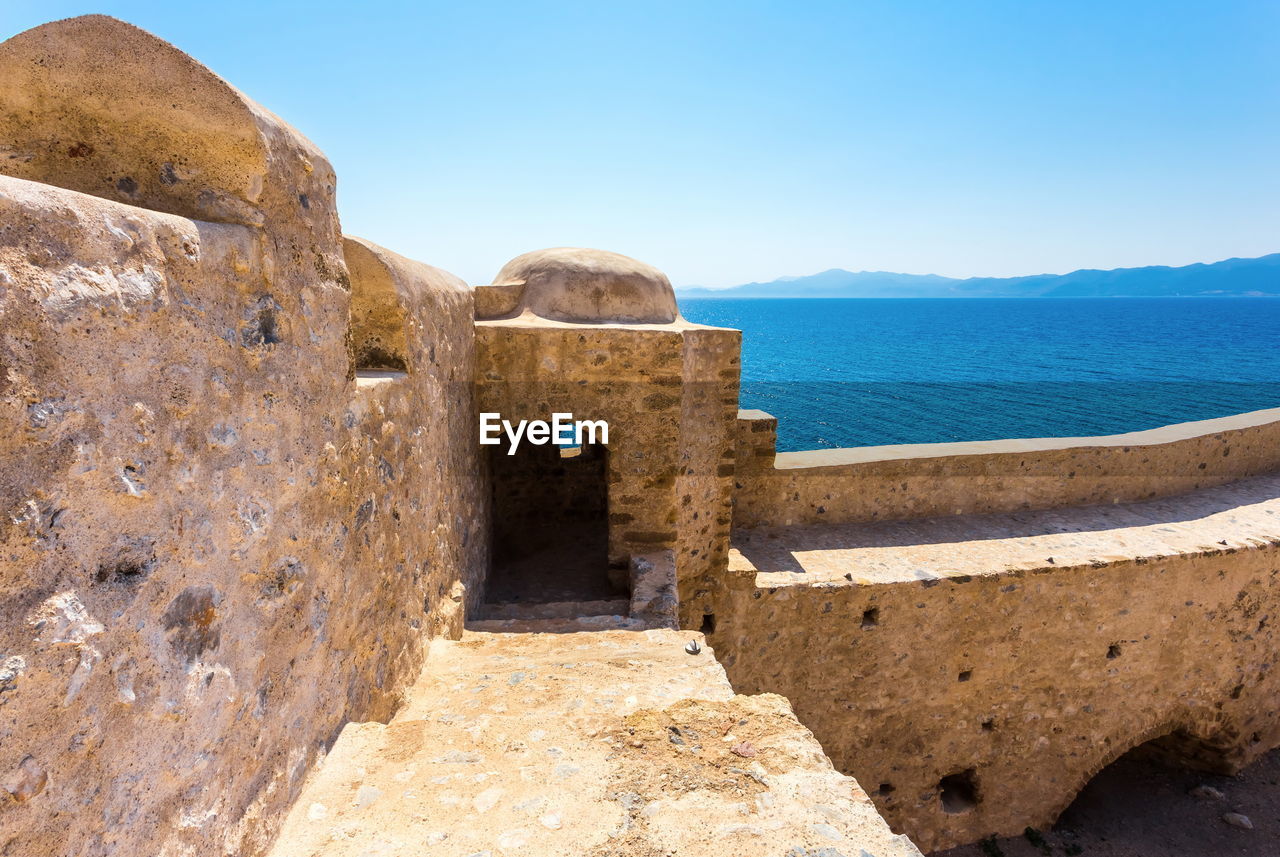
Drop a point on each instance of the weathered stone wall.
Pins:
(425, 438)
(241, 488)
(217, 549)
(920, 480)
(1015, 656)
(665, 391)
(705, 481)
(217, 545)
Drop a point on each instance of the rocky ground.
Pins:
(1137, 808)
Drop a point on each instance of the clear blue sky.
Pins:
(736, 141)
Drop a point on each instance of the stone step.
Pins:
(555, 609)
(605, 743)
(558, 617)
(557, 625)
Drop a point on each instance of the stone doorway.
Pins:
(550, 536)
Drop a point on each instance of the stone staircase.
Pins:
(610, 742)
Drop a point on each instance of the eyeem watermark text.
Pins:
(563, 430)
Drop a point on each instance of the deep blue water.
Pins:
(850, 372)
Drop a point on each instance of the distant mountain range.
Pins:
(1230, 278)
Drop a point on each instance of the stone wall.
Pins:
(974, 630)
(241, 489)
(218, 545)
(667, 393)
(877, 483)
(974, 673)
(705, 480)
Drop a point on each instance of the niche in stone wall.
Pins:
(379, 323)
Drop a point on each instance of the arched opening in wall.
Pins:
(550, 536)
(379, 323)
(1167, 796)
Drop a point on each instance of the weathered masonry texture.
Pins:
(262, 591)
(219, 545)
(1022, 652)
(881, 483)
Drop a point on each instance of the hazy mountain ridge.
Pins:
(1228, 278)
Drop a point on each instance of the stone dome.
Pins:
(578, 285)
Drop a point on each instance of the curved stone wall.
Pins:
(218, 543)
(216, 548)
(97, 105)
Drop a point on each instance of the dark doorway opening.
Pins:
(550, 526)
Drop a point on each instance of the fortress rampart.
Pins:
(1016, 614)
(973, 673)
(259, 575)
(221, 540)
(885, 483)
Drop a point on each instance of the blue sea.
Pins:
(859, 372)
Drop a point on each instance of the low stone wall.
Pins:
(877, 483)
(974, 673)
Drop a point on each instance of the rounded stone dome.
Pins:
(579, 285)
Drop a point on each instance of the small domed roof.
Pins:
(579, 285)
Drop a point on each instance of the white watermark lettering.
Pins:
(563, 431)
(589, 427)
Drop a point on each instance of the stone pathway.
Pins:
(608, 742)
(1233, 517)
